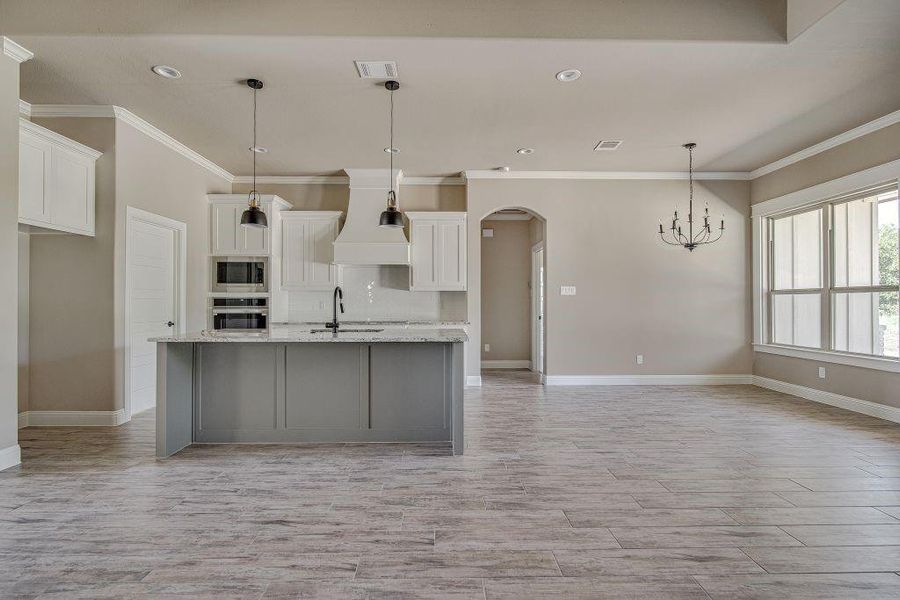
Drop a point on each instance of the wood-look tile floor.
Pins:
(569, 492)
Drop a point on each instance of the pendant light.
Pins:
(254, 215)
(690, 240)
(392, 217)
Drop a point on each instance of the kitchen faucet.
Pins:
(338, 293)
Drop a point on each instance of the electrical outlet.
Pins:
(567, 290)
(487, 347)
(821, 372)
(640, 359)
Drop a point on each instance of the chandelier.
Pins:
(690, 240)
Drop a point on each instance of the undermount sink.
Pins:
(345, 330)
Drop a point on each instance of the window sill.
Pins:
(891, 365)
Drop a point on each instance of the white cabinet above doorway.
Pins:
(437, 251)
(56, 181)
(228, 238)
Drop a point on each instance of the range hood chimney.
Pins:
(362, 241)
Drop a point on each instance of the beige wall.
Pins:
(76, 338)
(862, 153)
(601, 237)
(71, 287)
(506, 291)
(9, 261)
(152, 177)
(24, 278)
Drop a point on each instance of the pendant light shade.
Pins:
(391, 217)
(254, 216)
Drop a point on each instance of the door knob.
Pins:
(170, 323)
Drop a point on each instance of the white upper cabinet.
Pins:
(437, 251)
(307, 250)
(227, 237)
(56, 181)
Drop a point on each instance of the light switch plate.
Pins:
(821, 372)
(640, 359)
(567, 290)
(487, 347)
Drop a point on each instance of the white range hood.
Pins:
(362, 241)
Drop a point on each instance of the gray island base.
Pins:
(389, 386)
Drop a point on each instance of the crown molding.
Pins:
(55, 138)
(295, 179)
(842, 138)
(456, 180)
(608, 175)
(126, 116)
(15, 51)
(72, 110)
(24, 108)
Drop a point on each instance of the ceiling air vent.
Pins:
(376, 69)
(607, 145)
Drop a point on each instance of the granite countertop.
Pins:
(301, 333)
(400, 324)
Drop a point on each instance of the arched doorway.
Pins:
(512, 303)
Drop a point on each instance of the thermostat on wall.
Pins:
(487, 233)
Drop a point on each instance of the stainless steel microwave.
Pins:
(240, 274)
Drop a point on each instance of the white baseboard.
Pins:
(473, 381)
(10, 457)
(648, 379)
(72, 418)
(873, 409)
(506, 364)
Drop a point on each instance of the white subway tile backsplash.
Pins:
(373, 293)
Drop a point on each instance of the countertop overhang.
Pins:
(283, 335)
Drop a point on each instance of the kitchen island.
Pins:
(294, 385)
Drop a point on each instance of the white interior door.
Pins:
(537, 310)
(152, 304)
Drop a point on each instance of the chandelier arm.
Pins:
(702, 236)
(671, 243)
(716, 239)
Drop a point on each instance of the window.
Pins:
(833, 275)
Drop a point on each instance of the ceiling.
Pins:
(748, 98)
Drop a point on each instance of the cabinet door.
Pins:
(423, 268)
(293, 253)
(224, 221)
(72, 191)
(34, 180)
(450, 255)
(320, 235)
(254, 241)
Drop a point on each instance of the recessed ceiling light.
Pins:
(167, 72)
(568, 75)
(258, 149)
(525, 151)
(392, 150)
